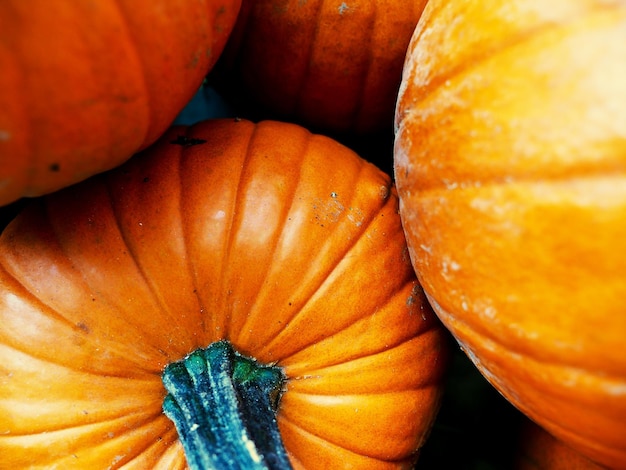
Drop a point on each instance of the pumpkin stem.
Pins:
(224, 407)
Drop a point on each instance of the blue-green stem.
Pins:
(224, 407)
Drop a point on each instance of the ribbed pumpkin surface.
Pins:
(284, 242)
(510, 160)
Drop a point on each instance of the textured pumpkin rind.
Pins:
(84, 89)
(332, 66)
(510, 160)
(284, 242)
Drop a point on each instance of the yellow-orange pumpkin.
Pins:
(84, 85)
(284, 242)
(510, 160)
(333, 66)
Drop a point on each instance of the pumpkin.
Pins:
(85, 88)
(539, 450)
(332, 66)
(278, 250)
(510, 162)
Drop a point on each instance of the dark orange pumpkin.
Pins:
(539, 450)
(510, 160)
(85, 86)
(284, 243)
(333, 66)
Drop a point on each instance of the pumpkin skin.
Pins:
(510, 162)
(84, 89)
(332, 66)
(284, 242)
(539, 450)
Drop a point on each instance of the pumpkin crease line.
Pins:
(233, 229)
(288, 205)
(149, 418)
(487, 337)
(135, 259)
(487, 54)
(328, 277)
(186, 237)
(569, 179)
(317, 371)
(327, 441)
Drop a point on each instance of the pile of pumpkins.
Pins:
(279, 231)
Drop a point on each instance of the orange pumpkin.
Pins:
(510, 161)
(333, 66)
(86, 86)
(539, 450)
(284, 243)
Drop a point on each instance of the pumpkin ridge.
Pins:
(185, 229)
(322, 439)
(488, 336)
(567, 178)
(169, 451)
(297, 367)
(232, 229)
(180, 155)
(154, 349)
(124, 236)
(289, 202)
(341, 403)
(52, 314)
(50, 358)
(315, 278)
(328, 277)
(99, 194)
(341, 396)
(97, 452)
(428, 90)
(340, 452)
(153, 452)
(572, 370)
(139, 451)
(334, 368)
(24, 348)
(123, 416)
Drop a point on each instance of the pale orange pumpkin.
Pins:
(510, 161)
(84, 85)
(284, 243)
